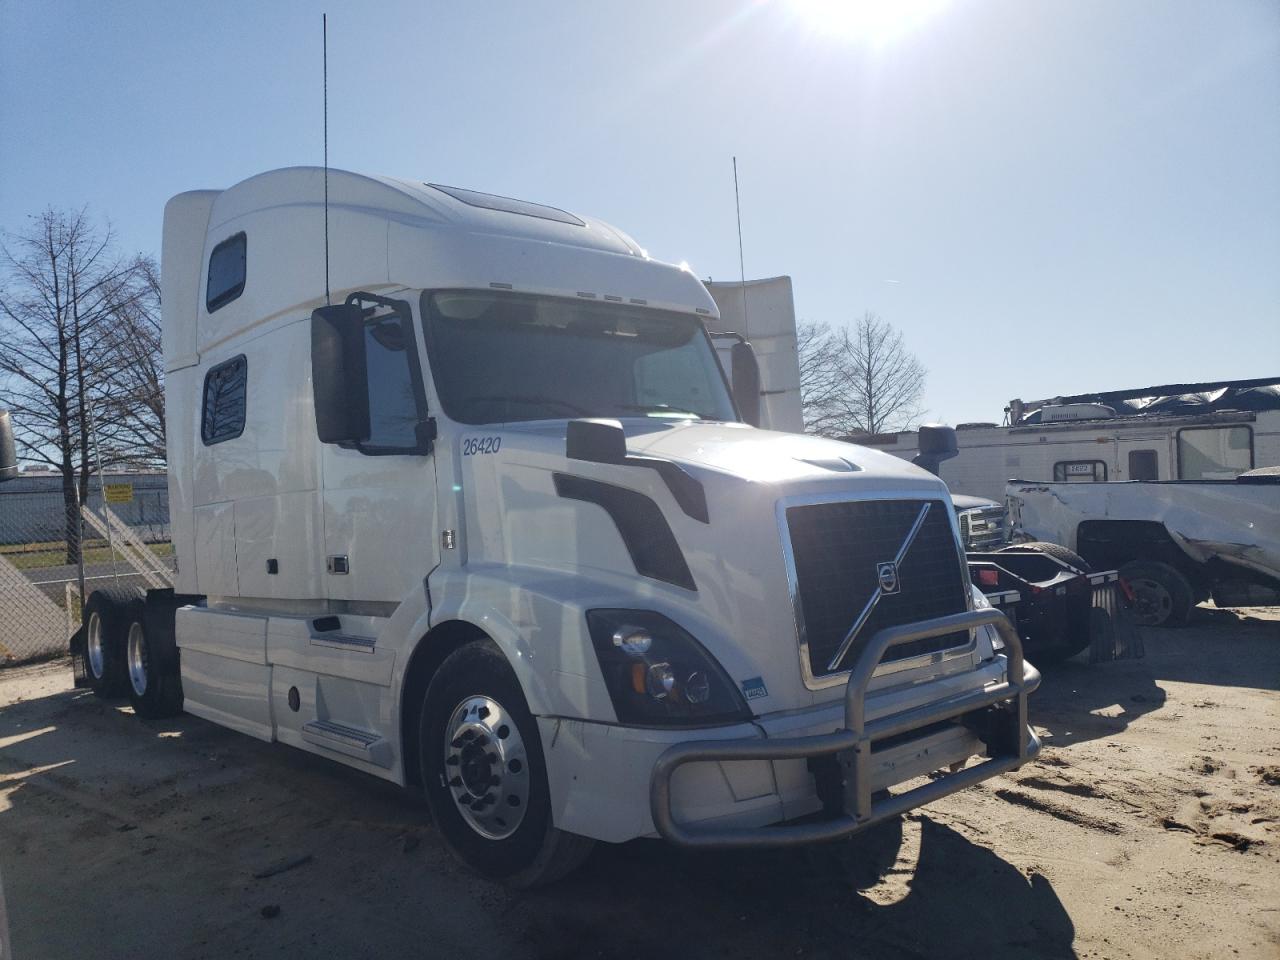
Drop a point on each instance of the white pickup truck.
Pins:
(491, 525)
(1175, 542)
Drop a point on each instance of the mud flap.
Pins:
(1114, 633)
(79, 671)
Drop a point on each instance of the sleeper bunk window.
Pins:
(223, 409)
(226, 272)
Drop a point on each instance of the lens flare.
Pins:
(876, 22)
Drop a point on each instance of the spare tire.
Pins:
(1055, 550)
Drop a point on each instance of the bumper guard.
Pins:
(852, 745)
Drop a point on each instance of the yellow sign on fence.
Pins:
(119, 492)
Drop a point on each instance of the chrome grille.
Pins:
(982, 528)
(837, 550)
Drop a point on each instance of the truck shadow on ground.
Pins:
(1079, 701)
(865, 897)
(173, 789)
(1230, 648)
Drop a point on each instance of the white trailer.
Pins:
(490, 524)
(762, 313)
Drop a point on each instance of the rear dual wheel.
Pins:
(106, 624)
(121, 659)
(155, 688)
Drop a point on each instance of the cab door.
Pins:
(380, 493)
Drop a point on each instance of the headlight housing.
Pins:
(657, 674)
(980, 602)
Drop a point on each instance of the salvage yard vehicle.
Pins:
(490, 524)
(1173, 431)
(1176, 543)
(1057, 602)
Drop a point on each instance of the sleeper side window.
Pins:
(1143, 465)
(1214, 453)
(397, 401)
(1079, 471)
(226, 272)
(223, 407)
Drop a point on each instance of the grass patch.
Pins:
(36, 556)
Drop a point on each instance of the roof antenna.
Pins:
(324, 23)
(742, 270)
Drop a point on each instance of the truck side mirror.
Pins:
(339, 375)
(936, 443)
(746, 381)
(8, 454)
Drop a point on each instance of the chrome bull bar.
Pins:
(852, 745)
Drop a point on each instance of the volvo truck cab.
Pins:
(472, 507)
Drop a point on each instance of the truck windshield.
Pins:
(498, 358)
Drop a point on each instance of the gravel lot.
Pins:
(1149, 827)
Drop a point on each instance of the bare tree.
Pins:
(859, 380)
(61, 290)
(821, 376)
(134, 402)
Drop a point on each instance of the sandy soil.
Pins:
(1149, 827)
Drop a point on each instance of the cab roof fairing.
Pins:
(386, 232)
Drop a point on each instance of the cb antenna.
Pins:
(324, 25)
(742, 270)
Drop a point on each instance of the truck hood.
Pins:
(766, 456)
(577, 527)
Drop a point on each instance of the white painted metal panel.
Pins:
(235, 636)
(231, 693)
(215, 550)
(764, 312)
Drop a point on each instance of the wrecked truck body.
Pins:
(1176, 543)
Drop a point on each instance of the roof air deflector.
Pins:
(489, 201)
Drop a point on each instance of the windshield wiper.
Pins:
(540, 401)
(662, 408)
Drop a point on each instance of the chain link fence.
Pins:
(52, 553)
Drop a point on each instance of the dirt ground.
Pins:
(1149, 827)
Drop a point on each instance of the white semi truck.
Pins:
(468, 505)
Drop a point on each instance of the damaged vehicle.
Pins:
(1175, 543)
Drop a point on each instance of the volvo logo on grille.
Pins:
(887, 575)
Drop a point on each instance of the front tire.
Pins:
(484, 772)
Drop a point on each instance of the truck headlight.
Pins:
(658, 674)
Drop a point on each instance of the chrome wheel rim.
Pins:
(486, 767)
(137, 659)
(93, 646)
(1153, 601)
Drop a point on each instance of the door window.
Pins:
(397, 400)
(1214, 453)
(1143, 465)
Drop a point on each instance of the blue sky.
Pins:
(1045, 197)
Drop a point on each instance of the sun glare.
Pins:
(872, 21)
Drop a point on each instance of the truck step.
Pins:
(349, 741)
